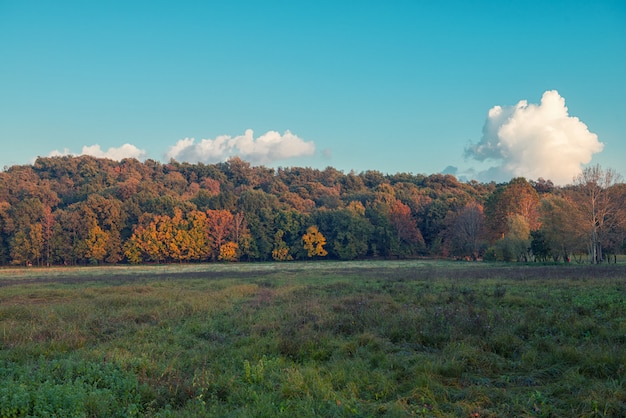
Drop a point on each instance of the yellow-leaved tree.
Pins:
(228, 251)
(96, 243)
(281, 249)
(314, 242)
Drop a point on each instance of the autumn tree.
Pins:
(149, 240)
(27, 246)
(108, 215)
(26, 232)
(197, 247)
(74, 210)
(47, 229)
(178, 239)
(518, 198)
(314, 242)
(409, 236)
(395, 231)
(511, 214)
(219, 229)
(66, 240)
(228, 251)
(96, 243)
(281, 249)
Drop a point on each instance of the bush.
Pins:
(67, 388)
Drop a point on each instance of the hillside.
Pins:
(85, 210)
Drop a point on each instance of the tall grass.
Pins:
(315, 339)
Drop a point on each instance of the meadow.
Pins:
(332, 339)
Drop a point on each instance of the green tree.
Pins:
(27, 246)
(260, 210)
(348, 232)
(515, 244)
(6, 225)
(560, 226)
(540, 246)
(292, 224)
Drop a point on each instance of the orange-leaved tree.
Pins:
(409, 235)
(219, 230)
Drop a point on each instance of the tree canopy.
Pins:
(86, 210)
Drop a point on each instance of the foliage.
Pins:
(281, 249)
(314, 242)
(560, 226)
(539, 246)
(87, 210)
(517, 198)
(515, 244)
(228, 251)
(67, 387)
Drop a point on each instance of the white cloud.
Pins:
(118, 154)
(267, 148)
(532, 141)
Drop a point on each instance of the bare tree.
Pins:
(598, 206)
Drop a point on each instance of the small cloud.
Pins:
(267, 148)
(450, 170)
(534, 141)
(57, 153)
(118, 154)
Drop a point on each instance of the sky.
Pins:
(485, 90)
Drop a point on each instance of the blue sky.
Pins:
(394, 86)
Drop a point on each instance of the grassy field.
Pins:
(331, 339)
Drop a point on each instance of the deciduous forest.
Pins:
(84, 210)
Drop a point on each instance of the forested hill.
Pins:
(85, 210)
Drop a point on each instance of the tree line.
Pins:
(84, 210)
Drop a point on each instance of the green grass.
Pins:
(407, 338)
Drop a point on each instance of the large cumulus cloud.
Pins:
(534, 140)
